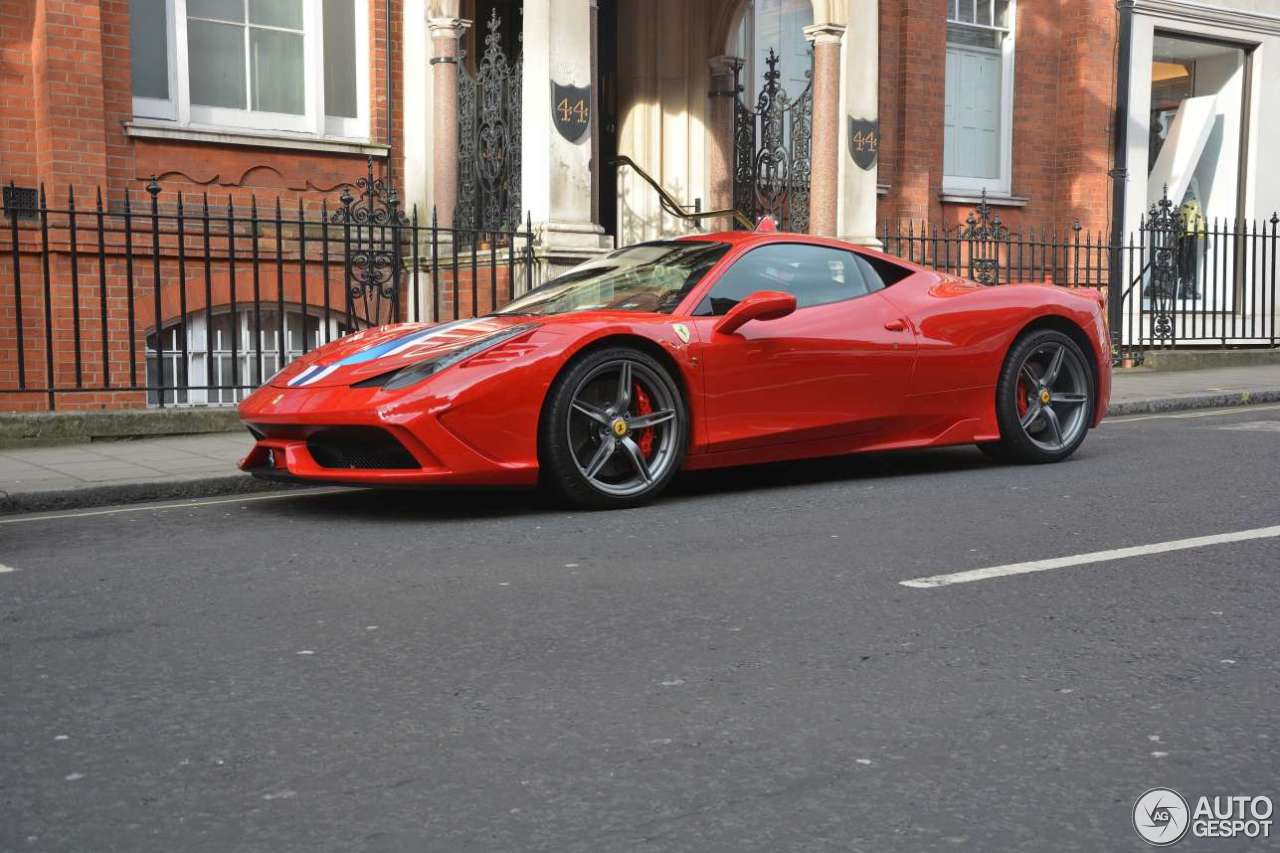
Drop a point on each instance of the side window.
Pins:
(880, 273)
(814, 274)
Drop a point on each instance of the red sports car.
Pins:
(707, 351)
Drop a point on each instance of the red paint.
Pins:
(913, 365)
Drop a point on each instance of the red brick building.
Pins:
(911, 110)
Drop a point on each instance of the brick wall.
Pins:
(66, 94)
(1063, 90)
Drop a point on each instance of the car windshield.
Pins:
(645, 277)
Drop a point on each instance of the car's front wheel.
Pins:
(614, 430)
(1045, 399)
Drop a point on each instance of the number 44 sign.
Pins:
(864, 141)
(571, 110)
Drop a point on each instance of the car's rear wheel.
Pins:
(614, 430)
(1044, 399)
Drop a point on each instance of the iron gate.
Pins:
(373, 227)
(489, 138)
(771, 150)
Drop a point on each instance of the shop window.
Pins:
(272, 65)
(1197, 123)
(978, 131)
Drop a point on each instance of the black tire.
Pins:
(564, 433)
(1032, 430)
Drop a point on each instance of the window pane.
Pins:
(970, 37)
(276, 13)
(1002, 13)
(813, 274)
(340, 58)
(984, 12)
(216, 56)
(148, 48)
(223, 10)
(973, 95)
(278, 85)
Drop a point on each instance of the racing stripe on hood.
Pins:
(316, 372)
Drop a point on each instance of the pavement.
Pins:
(108, 472)
(738, 667)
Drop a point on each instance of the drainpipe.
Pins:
(1120, 171)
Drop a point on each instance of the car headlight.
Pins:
(403, 377)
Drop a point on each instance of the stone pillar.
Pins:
(556, 173)
(720, 144)
(445, 33)
(825, 152)
(859, 187)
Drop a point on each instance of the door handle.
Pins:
(896, 326)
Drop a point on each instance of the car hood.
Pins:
(381, 349)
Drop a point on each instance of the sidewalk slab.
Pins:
(1141, 391)
(38, 479)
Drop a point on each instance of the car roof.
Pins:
(761, 238)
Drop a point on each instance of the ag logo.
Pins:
(1161, 817)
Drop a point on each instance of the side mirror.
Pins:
(761, 305)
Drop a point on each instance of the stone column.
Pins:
(556, 173)
(445, 33)
(825, 152)
(720, 145)
(859, 193)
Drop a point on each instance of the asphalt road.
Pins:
(737, 667)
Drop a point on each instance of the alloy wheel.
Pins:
(1052, 396)
(622, 429)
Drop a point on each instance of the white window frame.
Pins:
(179, 109)
(1002, 185)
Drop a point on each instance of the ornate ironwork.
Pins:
(984, 235)
(372, 233)
(771, 145)
(1163, 227)
(489, 139)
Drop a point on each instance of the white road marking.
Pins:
(1252, 426)
(26, 519)
(4, 570)
(1092, 557)
(1200, 413)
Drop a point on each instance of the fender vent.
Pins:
(359, 447)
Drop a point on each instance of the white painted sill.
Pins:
(973, 198)
(142, 129)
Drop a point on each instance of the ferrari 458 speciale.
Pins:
(702, 352)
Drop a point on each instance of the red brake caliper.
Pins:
(1021, 396)
(643, 406)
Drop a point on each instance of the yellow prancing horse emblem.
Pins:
(619, 427)
(1045, 396)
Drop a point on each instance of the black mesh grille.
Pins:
(358, 447)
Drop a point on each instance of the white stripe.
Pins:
(295, 493)
(433, 333)
(1094, 557)
(316, 377)
(4, 570)
(303, 375)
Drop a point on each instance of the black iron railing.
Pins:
(1181, 278)
(167, 298)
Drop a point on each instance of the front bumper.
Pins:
(289, 423)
